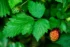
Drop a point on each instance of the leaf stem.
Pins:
(23, 3)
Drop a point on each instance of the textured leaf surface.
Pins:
(63, 27)
(41, 26)
(36, 9)
(13, 3)
(64, 40)
(21, 23)
(4, 8)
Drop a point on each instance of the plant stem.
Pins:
(23, 3)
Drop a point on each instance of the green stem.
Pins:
(23, 3)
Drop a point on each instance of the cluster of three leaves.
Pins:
(22, 23)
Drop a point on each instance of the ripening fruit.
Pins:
(54, 35)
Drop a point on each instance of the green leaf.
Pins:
(36, 9)
(41, 26)
(53, 11)
(13, 3)
(68, 26)
(28, 27)
(17, 44)
(54, 23)
(1, 35)
(59, 1)
(69, 1)
(65, 3)
(4, 8)
(64, 40)
(68, 19)
(12, 45)
(63, 27)
(21, 23)
(61, 15)
(3, 42)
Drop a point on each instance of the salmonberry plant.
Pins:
(34, 23)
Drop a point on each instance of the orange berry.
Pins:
(54, 35)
